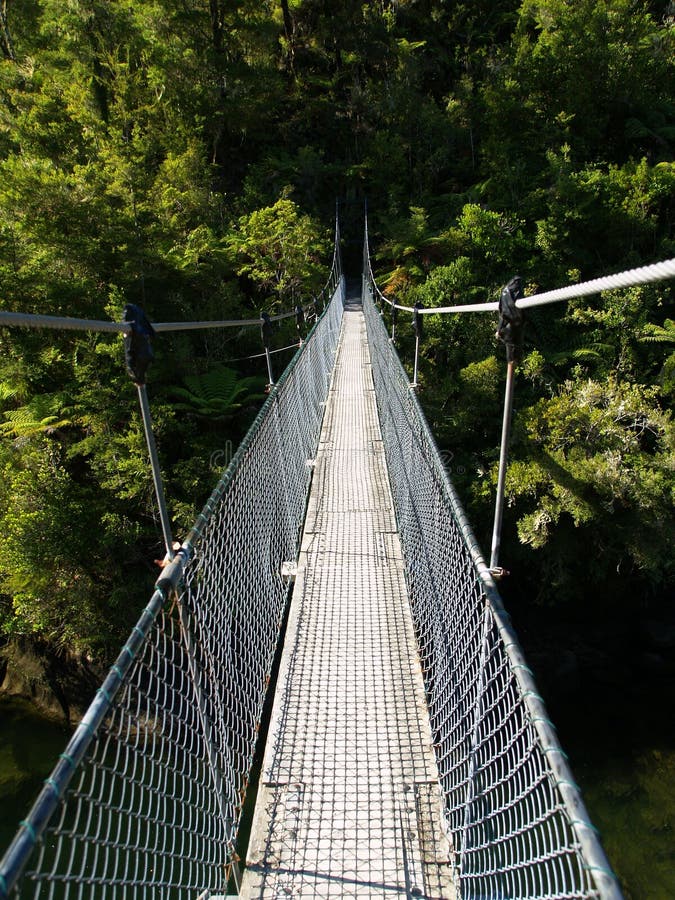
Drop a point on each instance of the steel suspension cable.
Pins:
(182, 704)
(68, 323)
(648, 274)
(517, 821)
(659, 271)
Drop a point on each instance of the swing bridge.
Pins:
(333, 588)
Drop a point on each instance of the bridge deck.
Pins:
(349, 802)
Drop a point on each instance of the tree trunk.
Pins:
(289, 31)
(216, 11)
(288, 20)
(5, 37)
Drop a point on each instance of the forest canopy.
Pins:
(187, 156)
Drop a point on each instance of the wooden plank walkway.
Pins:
(349, 801)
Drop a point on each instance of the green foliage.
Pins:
(601, 454)
(47, 569)
(663, 334)
(112, 123)
(45, 413)
(280, 250)
(634, 807)
(218, 394)
(149, 151)
(588, 75)
(187, 156)
(660, 333)
(411, 247)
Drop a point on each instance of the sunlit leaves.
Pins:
(280, 250)
(45, 413)
(602, 454)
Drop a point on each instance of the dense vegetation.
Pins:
(187, 155)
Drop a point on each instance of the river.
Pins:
(29, 748)
(620, 739)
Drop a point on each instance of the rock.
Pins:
(59, 684)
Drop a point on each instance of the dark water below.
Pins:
(632, 802)
(622, 753)
(29, 748)
(628, 784)
(609, 685)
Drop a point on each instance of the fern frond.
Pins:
(44, 413)
(659, 334)
(218, 393)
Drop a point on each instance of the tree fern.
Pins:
(663, 334)
(659, 334)
(581, 351)
(45, 413)
(217, 394)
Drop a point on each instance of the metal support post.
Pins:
(266, 333)
(156, 472)
(138, 356)
(418, 328)
(510, 332)
(417, 353)
(503, 459)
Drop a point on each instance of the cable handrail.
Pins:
(498, 794)
(10, 319)
(648, 274)
(70, 323)
(287, 427)
(629, 278)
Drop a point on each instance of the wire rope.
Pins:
(69, 323)
(658, 271)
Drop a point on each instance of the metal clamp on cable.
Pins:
(511, 319)
(266, 330)
(417, 321)
(138, 352)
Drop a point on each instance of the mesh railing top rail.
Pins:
(147, 799)
(516, 819)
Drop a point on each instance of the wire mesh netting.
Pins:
(147, 799)
(516, 820)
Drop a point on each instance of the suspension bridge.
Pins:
(408, 751)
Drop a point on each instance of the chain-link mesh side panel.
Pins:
(512, 832)
(518, 839)
(235, 589)
(141, 817)
(152, 810)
